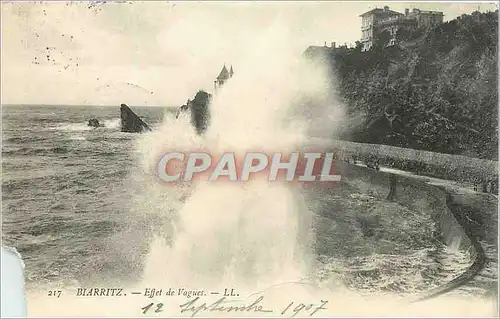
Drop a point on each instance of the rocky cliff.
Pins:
(436, 90)
(130, 122)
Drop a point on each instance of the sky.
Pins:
(160, 53)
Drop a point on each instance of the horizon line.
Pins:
(91, 105)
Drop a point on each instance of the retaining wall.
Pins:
(420, 196)
(446, 166)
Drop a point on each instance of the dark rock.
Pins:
(131, 123)
(94, 123)
(183, 109)
(200, 112)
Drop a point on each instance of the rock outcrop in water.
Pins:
(200, 112)
(131, 123)
(199, 107)
(183, 109)
(94, 123)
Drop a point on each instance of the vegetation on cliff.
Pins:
(436, 90)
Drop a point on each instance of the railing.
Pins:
(447, 166)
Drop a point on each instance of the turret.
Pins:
(224, 75)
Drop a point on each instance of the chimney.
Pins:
(325, 44)
(333, 45)
(407, 11)
(386, 8)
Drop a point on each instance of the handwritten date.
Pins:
(312, 308)
(196, 306)
(158, 308)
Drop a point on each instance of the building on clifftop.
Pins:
(224, 75)
(323, 53)
(377, 21)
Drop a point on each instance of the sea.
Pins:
(62, 187)
(74, 208)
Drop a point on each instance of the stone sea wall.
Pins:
(455, 232)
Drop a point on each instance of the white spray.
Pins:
(253, 234)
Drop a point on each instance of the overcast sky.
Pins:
(159, 53)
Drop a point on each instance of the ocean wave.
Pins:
(39, 239)
(404, 274)
(23, 139)
(72, 127)
(37, 151)
(113, 123)
(77, 138)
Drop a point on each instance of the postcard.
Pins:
(249, 159)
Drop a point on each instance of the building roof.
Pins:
(380, 10)
(314, 51)
(433, 12)
(231, 72)
(224, 74)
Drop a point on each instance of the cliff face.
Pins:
(131, 123)
(435, 91)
